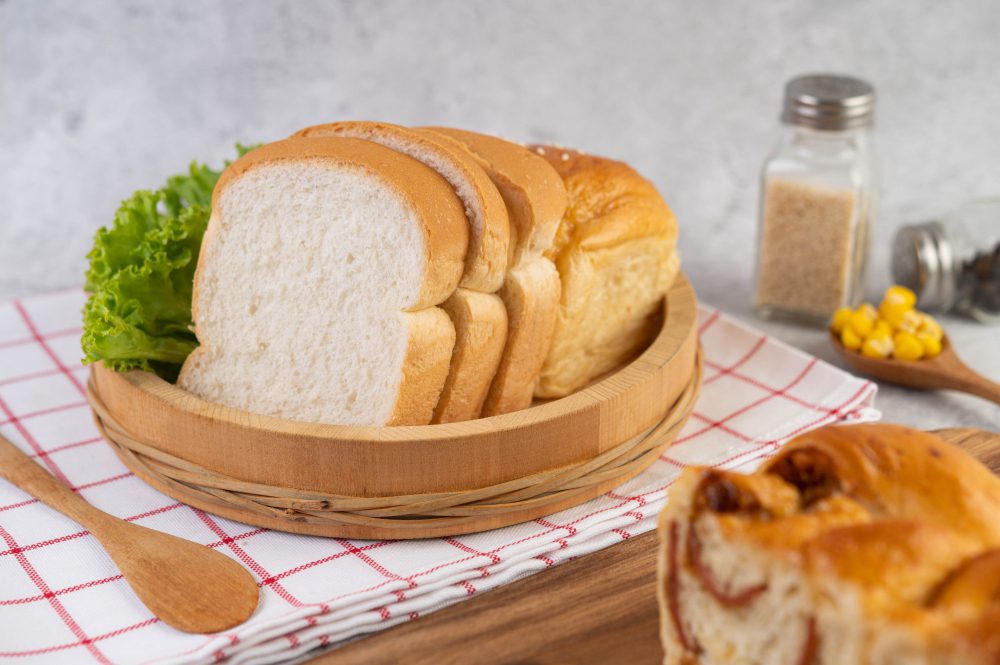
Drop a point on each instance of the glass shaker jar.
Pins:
(953, 263)
(817, 201)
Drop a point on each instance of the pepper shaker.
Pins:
(953, 263)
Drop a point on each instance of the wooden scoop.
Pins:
(944, 371)
(189, 586)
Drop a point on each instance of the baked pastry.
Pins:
(615, 250)
(872, 544)
(536, 199)
(478, 314)
(318, 281)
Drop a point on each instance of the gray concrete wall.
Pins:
(101, 97)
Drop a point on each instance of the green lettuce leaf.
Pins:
(141, 275)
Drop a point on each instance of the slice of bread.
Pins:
(317, 284)
(489, 237)
(476, 354)
(536, 199)
(480, 321)
(531, 296)
(531, 188)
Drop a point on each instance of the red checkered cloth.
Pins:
(63, 601)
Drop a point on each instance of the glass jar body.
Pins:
(817, 202)
(969, 260)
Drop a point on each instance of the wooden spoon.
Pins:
(945, 370)
(189, 586)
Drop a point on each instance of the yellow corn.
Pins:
(840, 319)
(907, 347)
(850, 339)
(867, 310)
(928, 326)
(861, 323)
(930, 344)
(877, 346)
(882, 327)
(898, 297)
(896, 329)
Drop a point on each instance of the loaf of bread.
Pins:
(364, 273)
(615, 250)
(872, 544)
(477, 312)
(536, 199)
(318, 281)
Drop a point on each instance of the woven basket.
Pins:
(406, 482)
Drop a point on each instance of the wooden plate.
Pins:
(402, 482)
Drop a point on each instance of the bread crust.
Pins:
(530, 186)
(531, 296)
(425, 368)
(536, 199)
(892, 532)
(615, 250)
(485, 260)
(481, 331)
(442, 215)
(430, 333)
(486, 257)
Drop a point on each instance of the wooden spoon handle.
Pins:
(19, 469)
(968, 380)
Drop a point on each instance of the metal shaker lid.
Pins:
(923, 260)
(829, 102)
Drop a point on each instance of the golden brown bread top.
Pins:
(970, 599)
(895, 472)
(911, 521)
(615, 250)
(609, 197)
(439, 210)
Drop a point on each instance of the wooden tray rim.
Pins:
(680, 300)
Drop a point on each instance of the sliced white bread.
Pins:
(535, 198)
(480, 321)
(489, 237)
(317, 284)
(476, 320)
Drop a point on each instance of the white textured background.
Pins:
(103, 97)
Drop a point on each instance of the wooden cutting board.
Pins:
(600, 608)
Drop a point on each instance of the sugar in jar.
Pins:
(817, 201)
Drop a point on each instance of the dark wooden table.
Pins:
(600, 608)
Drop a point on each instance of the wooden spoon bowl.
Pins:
(186, 585)
(944, 371)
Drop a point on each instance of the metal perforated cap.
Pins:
(924, 260)
(829, 101)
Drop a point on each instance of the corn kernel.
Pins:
(929, 326)
(850, 339)
(908, 322)
(893, 315)
(877, 346)
(931, 344)
(840, 319)
(907, 347)
(868, 310)
(898, 297)
(861, 323)
(881, 328)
